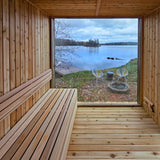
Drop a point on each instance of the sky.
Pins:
(106, 30)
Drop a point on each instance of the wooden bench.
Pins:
(44, 131)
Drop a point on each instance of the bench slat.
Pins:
(59, 146)
(26, 94)
(71, 123)
(36, 133)
(11, 99)
(39, 149)
(55, 132)
(31, 112)
(22, 132)
(45, 130)
(21, 87)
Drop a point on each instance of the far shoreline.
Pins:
(107, 44)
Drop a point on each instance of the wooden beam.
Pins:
(108, 104)
(52, 51)
(98, 7)
(140, 62)
(152, 12)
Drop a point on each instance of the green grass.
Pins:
(85, 76)
(85, 80)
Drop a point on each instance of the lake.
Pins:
(89, 58)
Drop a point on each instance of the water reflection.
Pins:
(89, 58)
(93, 50)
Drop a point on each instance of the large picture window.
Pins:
(99, 57)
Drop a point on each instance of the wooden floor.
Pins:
(114, 133)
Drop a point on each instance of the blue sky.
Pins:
(106, 30)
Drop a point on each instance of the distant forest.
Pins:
(89, 43)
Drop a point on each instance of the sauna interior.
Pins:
(38, 121)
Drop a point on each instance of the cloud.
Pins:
(106, 30)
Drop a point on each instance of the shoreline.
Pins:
(65, 68)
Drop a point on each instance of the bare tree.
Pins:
(63, 30)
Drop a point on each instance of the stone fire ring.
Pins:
(118, 87)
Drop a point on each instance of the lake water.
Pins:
(89, 58)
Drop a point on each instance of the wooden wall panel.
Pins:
(6, 76)
(24, 51)
(1, 49)
(152, 65)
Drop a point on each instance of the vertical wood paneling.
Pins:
(36, 43)
(18, 54)
(30, 59)
(22, 42)
(146, 56)
(158, 71)
(22, 7)
(39, 44)
(24, 52)
(36, 51)
(12, 56)
(1, 49)
(6, 75)
(144, 59)
(52, 52)
(30, 55)
(6, 45)
(33, 41)
(33, 49)
(44, 47)
(152, 64)
(41, 39)
(2, 129)
(26, 38)
(12, 45)
(156, 65)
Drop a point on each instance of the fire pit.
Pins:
(118, 87)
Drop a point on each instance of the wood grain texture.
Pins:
(88, 8)
(151, 67)
(5, 52)
(44, 130)
(20, 51)
(113, 138)
(13, 103)
(98, 7)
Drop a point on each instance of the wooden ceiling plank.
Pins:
(98, 7)
(153, 11)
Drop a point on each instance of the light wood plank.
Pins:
(37, 107)
(107, 141)
(58, 149)
(115, 136)
(18, 54)
(23, 98)
(43, 142)
(2, 130)
(6, 65)
(13, 116)
(39, 128)
(97, 136)
(114, 147)
(22, 132)
(114, 154)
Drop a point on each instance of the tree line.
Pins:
(69, 42)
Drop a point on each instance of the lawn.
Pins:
(91, 91)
